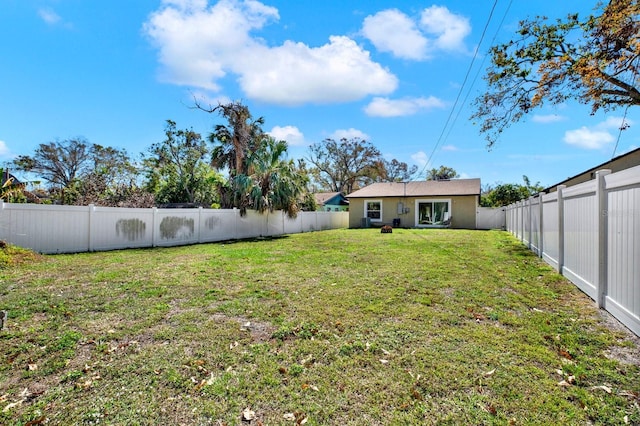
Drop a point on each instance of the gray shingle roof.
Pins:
(427, 188)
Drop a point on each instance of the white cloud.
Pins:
(349, 134)
(4, 149)
(49, 16)
(596, 137)
(588, 138)
(420, 158)
(438, 29)
(199, 45)
(549, 118)
(291, 134)
(295, 74)
(614, 123)
(385, 107)
(449, 29)
(393, 31)
(450, 148)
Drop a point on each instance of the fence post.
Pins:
(560, 190)
(522, 227)
(601, 197)
(540, 225)
(529, 220)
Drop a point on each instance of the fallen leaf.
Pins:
(233, 345)
(32, 367)
(571, 380)
(11, 405)
(84, 385)
(565, 354)
(489, 373)
(560, 373)
(248, 415)
(607, 389)
(289, 416)
(4, 397)
(314, 388)
(564, 384)
(303, 421)
(491, 409)
(210, 380)
(37, 421)
(384, 361)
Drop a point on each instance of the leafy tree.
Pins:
(345, 165)
(509, 193)
(79, 172)
(178, 170)
(443, 173)
(396, 171)
(60, 163)
(593, 60)
(110, 172)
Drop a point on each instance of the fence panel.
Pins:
(491, 218)
(48, 229)
(551, 229)
(174, 227)
(526, 223)
(581, 236)
(217, 225)
(534, 224)
(623, 241)
(114, 228)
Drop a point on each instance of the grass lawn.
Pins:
(346, 327)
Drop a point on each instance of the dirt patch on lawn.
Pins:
(260, 331)
(627, 351)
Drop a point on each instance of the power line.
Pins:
(623, 126)
(475, 78)
(475, 55)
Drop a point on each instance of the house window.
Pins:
(432, 212)
(373, 210)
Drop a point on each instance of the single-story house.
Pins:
(418, 204)
(617, 164)
(331, 202)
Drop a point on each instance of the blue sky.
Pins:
(387, 71)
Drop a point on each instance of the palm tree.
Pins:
(234, 141)
(11, 189)
(275, 183)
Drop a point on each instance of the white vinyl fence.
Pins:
(591, 234)
(490, 218)
(71, 229)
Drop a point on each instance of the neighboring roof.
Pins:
(323, 198)
(428, 188)
(616, 164)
